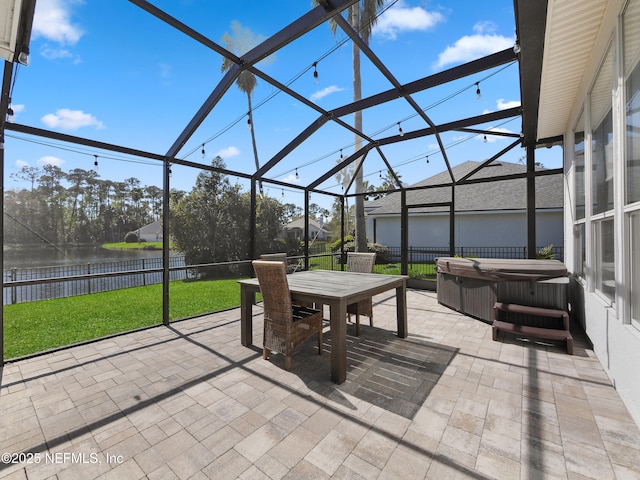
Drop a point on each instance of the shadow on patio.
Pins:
(447, 402)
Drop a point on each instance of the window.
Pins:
(604, 268)
(602, 165)
(602, 180)
(580, 249)
(578, 158)
(580, 253)
(635, 268)
(602, 138)
(631, 39)
(631, 25)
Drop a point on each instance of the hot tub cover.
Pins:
(498, 269)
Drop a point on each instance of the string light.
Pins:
(485, 139)
(95, 161)
(400, 130)
(380, 173)
(427, 158)
(283, 193)
(297, 176)
(203, 154)
(478, 94)
(249, 123)
(10, 114)
(315, 72)
(341, 156)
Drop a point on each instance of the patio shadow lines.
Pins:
(392, 373)
(487, 409)
(63, 438)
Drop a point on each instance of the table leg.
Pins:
(401, 307)
(338, 342)
(247, 299)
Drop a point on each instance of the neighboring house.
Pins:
(589, 95)
(150, 233)
(491, 214)
(295, 229)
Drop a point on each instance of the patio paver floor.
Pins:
(188, 401)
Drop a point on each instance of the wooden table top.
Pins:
(332, 285)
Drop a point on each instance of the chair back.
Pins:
(361, 262)
(274, 287)
(274, 257)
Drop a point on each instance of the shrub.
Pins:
(347, 240)
(546, 253)
(131, 237)
(381, 250)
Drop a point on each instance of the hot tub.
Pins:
(473, 285)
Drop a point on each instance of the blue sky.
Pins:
(109, 71)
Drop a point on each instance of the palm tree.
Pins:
(362, 17)
(240, 43)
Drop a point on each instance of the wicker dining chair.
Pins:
(286, 326)
(282, 257)
(276, 257)
(362, 263)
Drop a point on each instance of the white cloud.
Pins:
(504, 104)
(324, 92)
(401, 18)
(67, 119)
(228, 152)
(486, 26)
(21, 163)
(52, 20)
(50, 160)
(292, 179)
(471, 47)
(17, 109)
(165, 69)
(52, 53)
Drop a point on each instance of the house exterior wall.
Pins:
(473, 229)
(606, 306)
(298, 233)
(150, 233)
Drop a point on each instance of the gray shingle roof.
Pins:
(299, 223)
(500, 195)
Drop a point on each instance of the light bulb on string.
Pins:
(10, 115)
(203, 153)
(427, 158)
(400, 132)
(297, 176)
(484, 139)
(478, 94)
(315, 72)
(283, 193)
(249, 123)
(341, 156)
(380, 174)
(95, 161)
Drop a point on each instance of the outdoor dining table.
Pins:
(336, 289)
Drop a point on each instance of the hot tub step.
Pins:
(548, 333)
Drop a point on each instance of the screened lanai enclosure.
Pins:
(224, 134)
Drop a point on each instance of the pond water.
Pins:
(47, 256)
(29, 264)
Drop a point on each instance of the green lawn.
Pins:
(37, 326)
(133, 246)
(416, 270)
